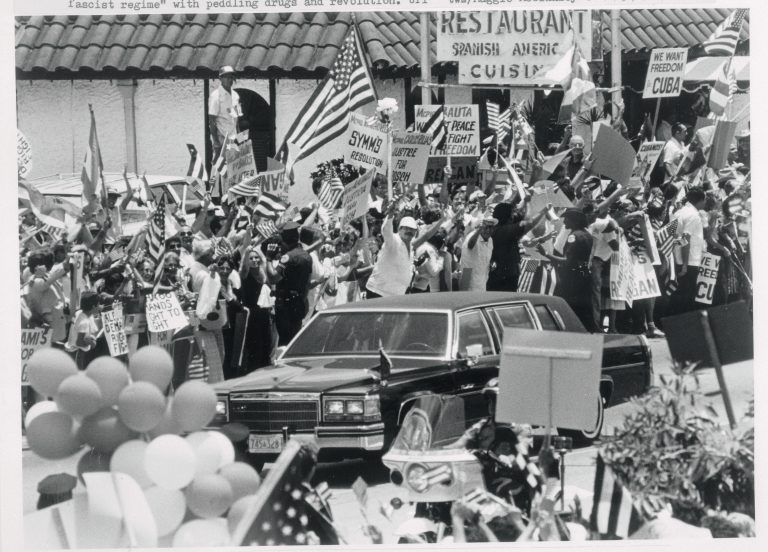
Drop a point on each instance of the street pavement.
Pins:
(579, 472)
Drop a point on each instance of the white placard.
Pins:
(410, 155)
(114, 330)
(666, 70)
(462, 122)
(644, 282)
(31, 341)
(707, 278)
(647, 155)
(23, 155)
(241, 164)
(622, 273)
(164, 313)
(355, 198)
(365, 144)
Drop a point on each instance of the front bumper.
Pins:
(369, 437)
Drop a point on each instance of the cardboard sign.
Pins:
(23, 155)
(164, 313)
(614, 156)
(509, 47)
(622, 273)
(114, 330)
(355, 198)
(241, 164)
(465, 171)
(366, 145)
(31, 341)
(644, 282)
(666, 70)
(410, 155)
(273, 179)
(463, 126)
(721, 144)
(550, 377)
(705, 282)
(647, 156)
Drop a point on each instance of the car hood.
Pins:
(322, 374)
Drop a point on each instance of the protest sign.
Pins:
(666, 70)
(23, 155)
(509, 47)
(721, 144)
(164, 313)
(647, 156)
(464, 169)
(115, 331)
(462, 122)
(644, 282)
(410, 155)
(546, 192)
(614, 156)
(273, 179)
(707, 278)
(550, 378)
(241, 164)
(355, 198)
(32, 340)
(366, 144)
(622, 273)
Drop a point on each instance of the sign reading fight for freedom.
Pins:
(355, 198)
(164, 313)
(114, 330)
(31, 341)
(410, 155)
(509, 47)
(707, 278)
(463, 126)
(240, 162)
(666, 70)
(366, 145)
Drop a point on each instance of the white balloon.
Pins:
(200, 533)
(213, 449)
(128, 458)
(39, 408)
(170, 462)
(168, 508)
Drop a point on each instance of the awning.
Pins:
(703, 72)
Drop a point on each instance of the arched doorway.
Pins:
(259, 118)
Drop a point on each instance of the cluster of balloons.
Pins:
(126, 423)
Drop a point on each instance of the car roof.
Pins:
(71, 184)
(456, 300)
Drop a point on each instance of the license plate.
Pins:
(265, 443)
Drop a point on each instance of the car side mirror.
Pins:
(468, 361)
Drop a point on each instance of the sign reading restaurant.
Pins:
(509, 47)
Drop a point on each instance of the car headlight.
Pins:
(222, 410)
(354, 407)
(334, 407)
(416, 479)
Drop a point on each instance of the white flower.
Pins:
(387, 105)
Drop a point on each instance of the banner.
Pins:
(647, 156)
(705, 282)
(355, 198)
(164, 313)
(666, 70)
(463, 128)
(273, 179)
(410, 155)
(509, 47)
(241, 164)
(464, 169)
(644, 282)
(23, 155)
(31, 341)
(622, 273)
(114, 330)
(366, 145)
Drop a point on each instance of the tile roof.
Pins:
(281, 44)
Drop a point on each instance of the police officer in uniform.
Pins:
(291, 277)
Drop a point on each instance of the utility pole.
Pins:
(426, 67)
(616, 60)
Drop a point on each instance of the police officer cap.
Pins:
(290, 225)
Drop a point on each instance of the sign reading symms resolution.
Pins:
(666, 70)
(509, 47)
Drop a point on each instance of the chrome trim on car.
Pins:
(364, 442)
(272, 396)
(342, 430)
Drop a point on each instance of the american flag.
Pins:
(436, 127)
(528, 268)
(724, 88)
(269, 206)
(155, 238)
(93, 182)
(537, 277)
(499, 122)
(325, 116)
(723, 41)
(266, 228)
(223, 248)
(613, 510)
(665, 238)
(330, 192)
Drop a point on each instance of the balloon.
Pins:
(104, 430)
(213, 449)
(168, 507)
(243, 478)
(168, 424)
(152, 364)
(194, 405)
(47, 368)
(93, 461)
(209, 496)
(237, 511)
(202, 533)
(53, 435)
(128, 458)
(79, 395)
(39, 408)
(170, 462)
(141, 406)
(110, 375)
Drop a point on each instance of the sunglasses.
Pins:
(186, 234)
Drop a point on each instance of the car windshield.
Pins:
(400, 333)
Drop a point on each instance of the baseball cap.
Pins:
(408, 222)
(226, 70)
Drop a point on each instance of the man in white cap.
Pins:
(394, 267)
(223, 109)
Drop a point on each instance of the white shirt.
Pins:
(673, 152)
(601, 238)
(392, 272)
(479, 260)
(690, 222)
(429, 272)
(225, 106)
(83, 324)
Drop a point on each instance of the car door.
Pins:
(474, 341)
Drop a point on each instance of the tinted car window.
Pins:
(546, 318)
(400, 333)
(514, 316)
(472, 331)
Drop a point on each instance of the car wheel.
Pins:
(585, 438)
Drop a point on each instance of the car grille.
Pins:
(274, 415)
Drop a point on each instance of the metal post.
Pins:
(426, 68)
(715, 357)
(616, 60)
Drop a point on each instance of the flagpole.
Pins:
(389, 160)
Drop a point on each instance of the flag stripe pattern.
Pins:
(537, 277)
(269, 206)
(724, 88)
(665, 238)
(330, 192)
(155, 239)
(266, 228)
(347, 86)
(613, 512)
(723, 41)
(93, 188)
(528, 269)
(196, 167)
(437, 128)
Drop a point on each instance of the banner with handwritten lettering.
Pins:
(410, 155)
(164, 313)
(114, 330)
(463, 124)
(365, 144)
(356, 197)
